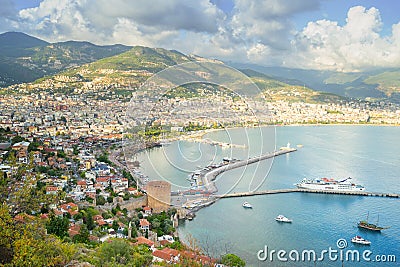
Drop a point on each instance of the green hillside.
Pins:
(276, 90)
(120, 71)
(342, 78)
(141, 58)
(388, 82)
(24, 58)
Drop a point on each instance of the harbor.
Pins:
(334, 213)
(203, 190)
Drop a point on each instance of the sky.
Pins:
(340, 35)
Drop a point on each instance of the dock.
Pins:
(215, 143)
(300, 190)
(209, 177)
(210, 192)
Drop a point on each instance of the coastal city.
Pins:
(211, 133)
(72, 143)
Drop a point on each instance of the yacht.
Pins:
(281, 218)
(359, 240)
(247, 205)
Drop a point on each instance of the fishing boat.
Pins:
(370, 226)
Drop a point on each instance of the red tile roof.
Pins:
(162, 255)
(143, 240)
(144, 222)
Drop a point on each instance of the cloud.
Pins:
(355, 46)
(97, 20)
(8, 14)
(267, 22)
(255, 31)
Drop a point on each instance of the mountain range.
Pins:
(373, 85)
(25, 58)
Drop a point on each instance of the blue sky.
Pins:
(343, 35)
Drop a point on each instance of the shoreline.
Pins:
(190, 136)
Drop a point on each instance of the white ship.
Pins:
(359, 240)
(330, 184)
(247, 205)
(281, 218)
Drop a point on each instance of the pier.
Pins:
(209, 177)
(215, 143)
(209, 195)
(296, 190)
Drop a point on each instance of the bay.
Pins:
(368, 154)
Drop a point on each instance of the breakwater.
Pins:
(209, 177)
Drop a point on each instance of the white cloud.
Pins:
(357, 45)
(97, 20)
(253, 31)
(267, 21)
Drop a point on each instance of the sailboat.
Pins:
(370, 226)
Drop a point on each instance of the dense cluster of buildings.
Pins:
(105, 114)
(65, 132)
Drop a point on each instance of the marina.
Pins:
(202, 184)
(324, 155)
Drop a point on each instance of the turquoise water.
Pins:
(370, 155)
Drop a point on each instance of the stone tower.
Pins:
(158, 195)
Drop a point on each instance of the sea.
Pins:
(323, 224)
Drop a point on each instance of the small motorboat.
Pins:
(247, 205)
(281, 218)
(359, 240)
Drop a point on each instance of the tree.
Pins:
(28, 199)
(17, 139)
(88, 220)
(100, 201)
(118, 251)
(115, 225)
(24, 243)
(7, 231)
(4, 181)
(83, 236)
(57, 226)
(232, 260)
(34, 146)
(78, 216)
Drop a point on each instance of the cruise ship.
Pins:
(330, 184)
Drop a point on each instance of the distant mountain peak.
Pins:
(20, 40)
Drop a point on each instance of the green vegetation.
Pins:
(342, 78)
(120, 253)
(58, 226)
(232, 260)
(161, 223)
(24, 243)
(334, 111)
(388, 82)
(104, 158)
(25, 58)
